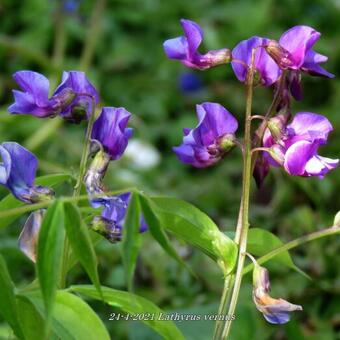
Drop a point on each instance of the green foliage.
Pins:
(72, 318)
(261, 242)
(196, 228)
(131, 238)
(8, 305)
(49, 255)
(80, 241)
(136, 307)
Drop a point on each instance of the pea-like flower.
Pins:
(28, 238)
(81, 106)
(110, 223)
(294, 51)
(296, 148)
(266, 70)
(275, 311)
(211, 139)
(185, 49)
(111, 132)
(73, 99)
(18, 171)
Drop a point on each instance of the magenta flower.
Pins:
(275, 311)
(71, 100)
(111, 132)
(296, 150)
(111, 222)
(212, 138)
(185, 49)
(86, 96)
(266, 69)
(294, 51)
(17, 173)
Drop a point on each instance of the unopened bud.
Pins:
(107, 229)
(38, 194)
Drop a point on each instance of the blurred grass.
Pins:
(128, 66)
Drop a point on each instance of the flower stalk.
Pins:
(242, 228)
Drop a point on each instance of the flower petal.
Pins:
(194, 35)
(176, 48)
(310, 126)
(298, 41)
(319, 166)
(265, 65)
(297, 155)
(311, 65)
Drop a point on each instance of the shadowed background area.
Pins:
(119, 45)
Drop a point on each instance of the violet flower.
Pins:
(267, 71)
(211, 139)
(111, 132)
(72, 99)
(185, 49)
(296, 149)
(111, 222)
(17, 173)
(86, 96)
(294, 51)
(275, 311)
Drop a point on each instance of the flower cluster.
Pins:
(295, 149)
(286, 141)
(74, 99)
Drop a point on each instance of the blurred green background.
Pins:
(119, 44)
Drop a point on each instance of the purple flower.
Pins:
(266, 69)
(111, 222)
(275, 311)
(294, 51)
(72, 99)
(296, 150)
(211, 139)
(17, 173)
(86, 96)
(111, 132)
(185, 48)
(28, 238)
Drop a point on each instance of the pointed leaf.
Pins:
(49, 255)
(131, 238)
(156, 230)
(79, 238)
(134, 305)
(8, 306)
(196, 228)
(261, 241)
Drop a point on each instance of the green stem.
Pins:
(77, 187)
(244, 224)
(293, 244)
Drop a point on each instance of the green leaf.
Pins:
(131, 238)
(29, 316)
(10, 202)
(337, 219)
(134, 305)
(261, 241)
(196, 228)
(8, 306)
(72, 318)
(157, 232)
(80, 241)
(50, 251)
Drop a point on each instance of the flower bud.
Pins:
(107, 228)
(37, 194)
(28, 238)
(280, 55)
